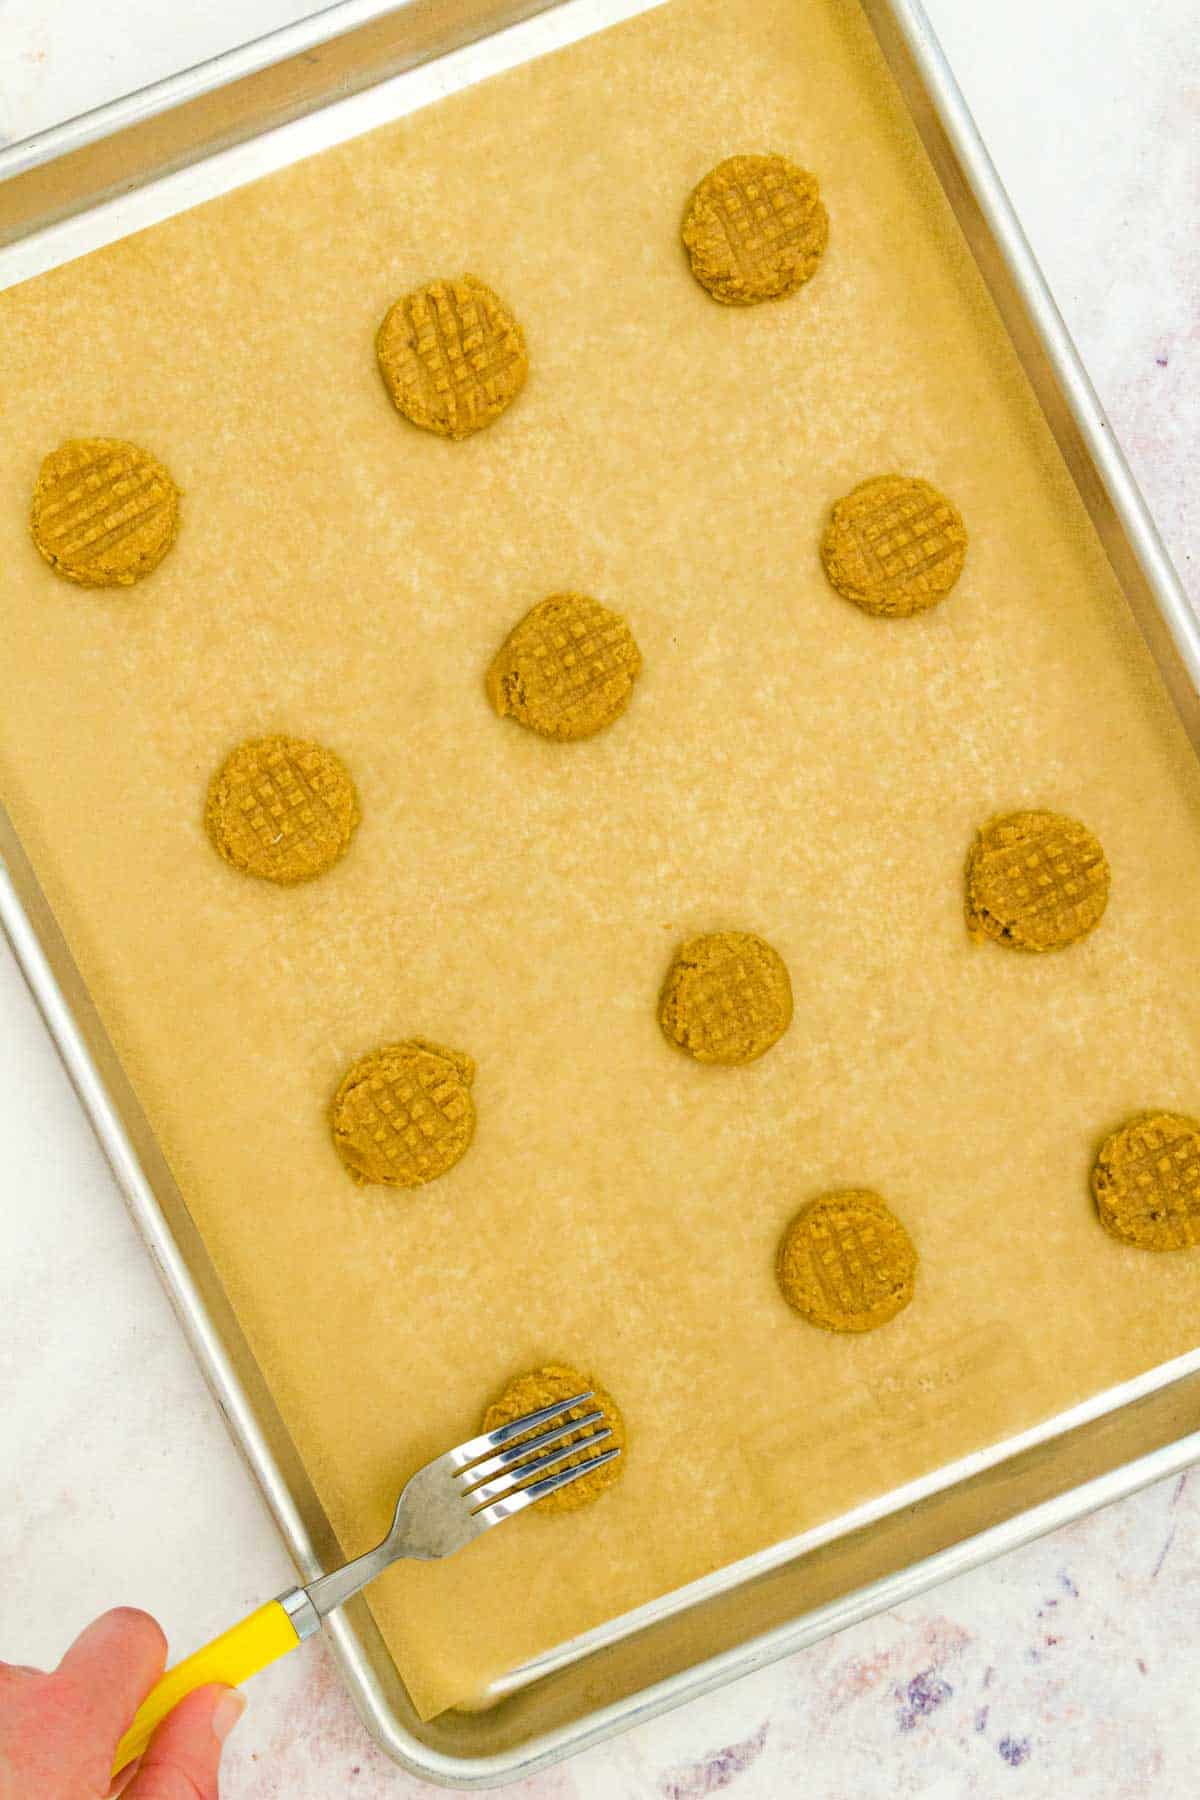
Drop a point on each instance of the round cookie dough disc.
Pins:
(1146, 1182)
(567, 670)
(755, 229)
(544, 1387)
(403, 1114)
(894, 545)
(452, 356)
(727, 998)
(281, 808)
(104, 512)
(846, 1262)
(1035, 881)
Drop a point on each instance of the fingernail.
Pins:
(226, 1713)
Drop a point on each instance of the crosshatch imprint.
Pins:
(104, 512)
(283, 809)
(1146, 1182)
(403, 1115)
(846, 1263)
(894, 545)
(567, 669)
(755, 229)
(452, 356)
(1035, 881)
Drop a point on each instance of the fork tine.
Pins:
(520, 1498)
(475, 1447)
(504, 1459)
(504, 1484)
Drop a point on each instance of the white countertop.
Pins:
(1073, 1664)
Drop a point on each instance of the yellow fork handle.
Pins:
(262, 1638)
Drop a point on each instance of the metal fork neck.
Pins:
(330, 1591)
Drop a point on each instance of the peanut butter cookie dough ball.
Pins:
(755, 229)
(452, 356)
(1035, 881)
(1146, 1182)
(403, 1114)
(104, 512)
(567, 670)
(846, 1262)
(281, 808)
(894, 545)
(545, 1387)
(727, 998)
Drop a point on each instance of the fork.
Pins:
(453, 1499)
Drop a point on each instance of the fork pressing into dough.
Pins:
(453, 1499)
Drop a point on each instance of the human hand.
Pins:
(59, 1732)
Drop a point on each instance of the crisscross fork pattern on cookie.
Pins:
(461, 348)
(412, 1119)
(730, 1001)
(285, 807)
(1052, 875)
(906, 536)
(761, 214)
(849, 1258)
(98, 504)
(1162, 1178)
(574, 656)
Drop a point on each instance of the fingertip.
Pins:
(107, 1673)
(125, 1634)
(123, 1779)
(231, 1704)
(134, 1620)
(187, 1745)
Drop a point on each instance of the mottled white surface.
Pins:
(1073, 1665)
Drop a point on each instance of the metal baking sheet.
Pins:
(96, 180)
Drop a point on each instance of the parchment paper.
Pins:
(787, 765)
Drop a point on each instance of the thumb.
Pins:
(184, 1753)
